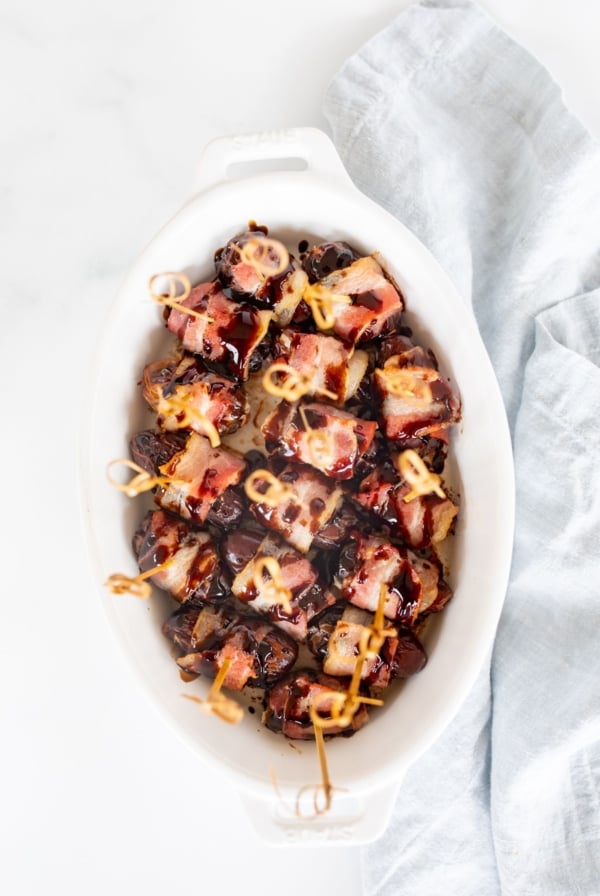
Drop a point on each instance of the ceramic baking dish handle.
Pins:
(351, 821)
(292, 149)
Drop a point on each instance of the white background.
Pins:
(105, 107)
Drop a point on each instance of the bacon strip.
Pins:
(375, 562)
(342, 648)
(286, 436)
(376, 303)
(232, 335)
(281, 294)
(191, 556)
(413, 584)
(203, 474)
(299, 519)
(323, 360)
(410, 417)
(151, 450)
(237, 275)
(423, 521)
(308, 596)
(335, 639)
(435, 592)
(217, 398)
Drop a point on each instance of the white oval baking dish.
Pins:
(318, 201)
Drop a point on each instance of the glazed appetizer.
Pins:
(296, 463)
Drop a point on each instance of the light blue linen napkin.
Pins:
(462, 135)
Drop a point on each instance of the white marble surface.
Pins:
(105, 107)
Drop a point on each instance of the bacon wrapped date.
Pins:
(311, 506)
(334, 638)
(333, 370)
(288, 705)
(151, 450)
(200, 475)
(227, 332)
(422, 521)
(329, 439)
(190, 557)
(203, 394)
(376, 305)
(417, 402)
(414, 585)
(259, 654)
(280, 293)
(308, 594)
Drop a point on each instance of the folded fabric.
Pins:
(461, 134)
